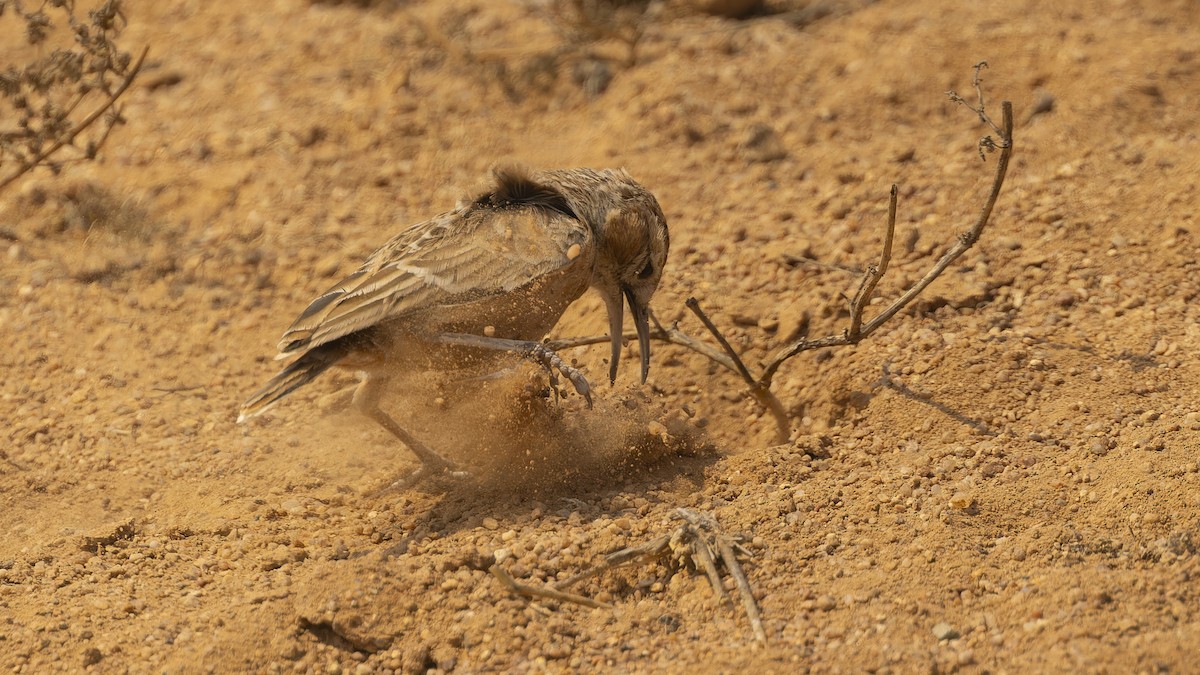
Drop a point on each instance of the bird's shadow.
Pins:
(888, 381)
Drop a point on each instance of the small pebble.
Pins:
(658, 430)
(944, 631)
(961, 502)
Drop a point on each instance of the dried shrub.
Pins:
(69, 88)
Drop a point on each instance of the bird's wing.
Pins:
(487, 248)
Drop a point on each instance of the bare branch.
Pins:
(874, 272)
(760, 390)
(694, 305)
(670, 335)
(986, 144)
(977, 82)
(965, 240)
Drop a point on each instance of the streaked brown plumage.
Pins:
(502, 268)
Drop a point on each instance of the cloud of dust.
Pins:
(512, 434)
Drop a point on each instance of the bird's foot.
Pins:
(432, 470)
(534, 351)
(553, 364)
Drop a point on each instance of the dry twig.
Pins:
(707, 533)
(541, 592)
(699, 541)
(859, 329)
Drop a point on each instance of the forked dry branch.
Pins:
(859, 329)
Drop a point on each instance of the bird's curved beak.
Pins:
(641, 320)
(616, 318)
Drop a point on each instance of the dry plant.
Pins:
(699, 543)
(72, 87)
(759, 386)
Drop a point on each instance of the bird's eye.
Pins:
(647, 270)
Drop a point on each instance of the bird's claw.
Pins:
(425, 471)
(553, 363)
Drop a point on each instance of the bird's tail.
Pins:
(299, 373)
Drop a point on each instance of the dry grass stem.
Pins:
(729, 558)
(650, 549)
(542, 592)
(727, 547)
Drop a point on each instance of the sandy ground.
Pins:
(1002, 479)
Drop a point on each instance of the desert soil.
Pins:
(1004, 478)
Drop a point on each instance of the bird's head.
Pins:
(631, 239)
(632, 244)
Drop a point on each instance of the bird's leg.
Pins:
(530, 349)
(366, 399)
(338, 400)
(495, 375)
